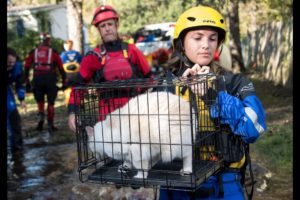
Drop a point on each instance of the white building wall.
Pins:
(30, 22)
(58, 20)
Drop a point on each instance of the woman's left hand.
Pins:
(203, 70)
(198, 88)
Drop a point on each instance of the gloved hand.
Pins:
(28, 88)
(230, 110)
(99, 57)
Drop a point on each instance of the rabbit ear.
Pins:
(90, 131)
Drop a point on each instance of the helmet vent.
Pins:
(222, 21)
(191, 19)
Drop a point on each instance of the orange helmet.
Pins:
(103, 13)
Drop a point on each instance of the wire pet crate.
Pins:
(148, 132)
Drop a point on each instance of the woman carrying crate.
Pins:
(199, 33)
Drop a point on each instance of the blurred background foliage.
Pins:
(137, 13)
(30, 40)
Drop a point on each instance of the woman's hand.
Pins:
(203, 70)
(199, 87)
(191, 71)
(196, 70)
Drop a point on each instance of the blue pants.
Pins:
(14, 130)
(210, 189)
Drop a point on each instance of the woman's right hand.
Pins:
(191, 71)
(196, 70)
(200, 88)
(71, 122)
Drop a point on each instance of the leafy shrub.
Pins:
(30, 40)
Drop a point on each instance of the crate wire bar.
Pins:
(104, 169)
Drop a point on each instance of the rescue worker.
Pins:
(199, 32)
(15, 80)
(113, 60)
(69, 56)
(71, 61)
(45, 62)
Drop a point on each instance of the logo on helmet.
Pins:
(209, 21)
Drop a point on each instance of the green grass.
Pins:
(270, 94)
(30, 99)
(276, 146)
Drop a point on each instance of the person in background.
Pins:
(71, 62)
(70, 55)
(112, 60)
(15, 80)
(45, 62)
(199, 32)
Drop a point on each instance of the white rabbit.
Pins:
(150, 127)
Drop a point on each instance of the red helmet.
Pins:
(44, 36)
(103, 13)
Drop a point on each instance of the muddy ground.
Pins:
(46, 168)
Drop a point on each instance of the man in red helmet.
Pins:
(113, 60)
(44, 60)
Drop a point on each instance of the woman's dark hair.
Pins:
(12, 52)
(179, 62)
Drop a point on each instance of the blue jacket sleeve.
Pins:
(255, 114)
(245, 117)
(19, 80)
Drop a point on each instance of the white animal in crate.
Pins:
(150, 127)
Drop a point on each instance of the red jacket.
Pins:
(91, 64)
(44, 60)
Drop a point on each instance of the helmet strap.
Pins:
(181, 55)
(220, 48)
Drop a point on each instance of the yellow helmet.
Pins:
(197, 17)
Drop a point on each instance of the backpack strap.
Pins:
(248, 161)
(37, 63)
(49, 56)
(221, 187)
(103, 53)
(35, 55)
(124, 46)
(135, 68)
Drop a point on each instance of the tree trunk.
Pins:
(75, 24)
(235, 43)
